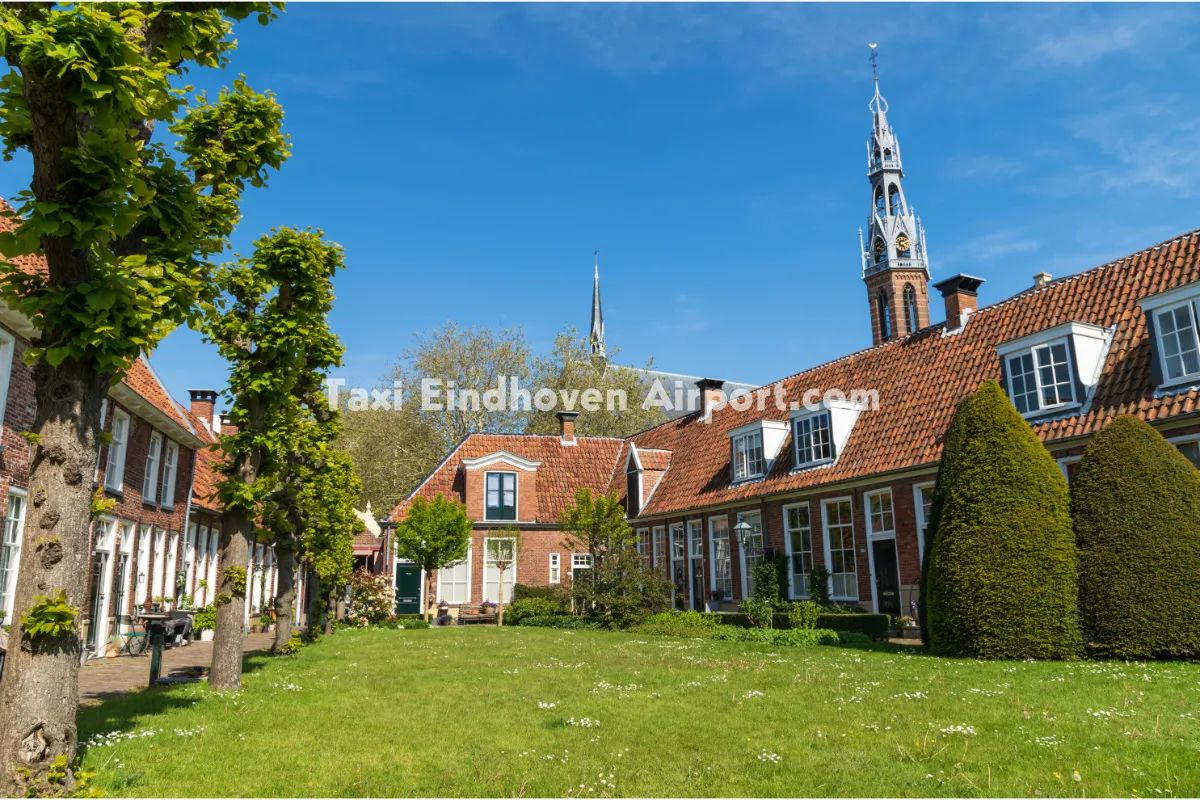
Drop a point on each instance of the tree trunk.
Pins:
(39, 692)
(330, 607)
(285, 597)
(314, 621)
(226, 671)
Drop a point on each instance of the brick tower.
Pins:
(894, 262)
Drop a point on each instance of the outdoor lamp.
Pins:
(742, 529)
(141, 578)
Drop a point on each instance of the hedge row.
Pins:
(876, 626)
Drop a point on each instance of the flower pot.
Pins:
(911, 631)
(206, 635)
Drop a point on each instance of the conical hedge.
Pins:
(1135, 501)
(1002, 568)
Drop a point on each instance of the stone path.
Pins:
(103, 677)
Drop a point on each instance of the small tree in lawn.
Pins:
(126, 227)
(435, 534)
(621, 590)
(271, 325)
(500, 553)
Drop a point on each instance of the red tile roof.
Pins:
(589, 464)
(9, 221)
(204, 485)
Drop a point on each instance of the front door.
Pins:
(697, 584)
(887, 576)
(408, 588)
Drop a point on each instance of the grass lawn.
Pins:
(482, 712)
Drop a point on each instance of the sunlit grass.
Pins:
(538, 712)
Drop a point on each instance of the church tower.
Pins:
(894, 262)
(596, 337)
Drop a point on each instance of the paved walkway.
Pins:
(103, 677)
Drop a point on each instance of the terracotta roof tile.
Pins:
(35, 264)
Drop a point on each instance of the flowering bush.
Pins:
(371, 599)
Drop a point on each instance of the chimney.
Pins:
(226, 425)
(566, 427)
(959, 294)
(1041, 279)
(711, 396)
(203, 404)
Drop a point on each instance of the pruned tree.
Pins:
(270, 324)
(434, 535)
(620, 589)
(500, 552)
(392, 450)
(126, 228)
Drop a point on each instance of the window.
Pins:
(168, 482)
(160, 563)
(114, 471)
(142, 584)
(150, 477)
(202, 566)
(678, 543)
(555, 568)
(880, 205)
(581, 561)
(643, 546)
(501, 495)
(924, 502)
(7, 346)
(1040, 379)
(885, 317)
(910, 308)
(657, 554)
(881, 522)
(10, 551)
(813, 442)
(1069, 466)
(895, 207)
(696, 537)
(751, 549)
(1180, 352)
(798, 538)
(722, 573)
(747, 456)
(839, 537)
(454, 582)
(500, 569)
(1191, 450)
(170, 574)
(189, 558)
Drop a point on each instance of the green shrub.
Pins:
(562, 621)
(876, 626)
(557, 594)
(789, 638)
(669, 629)
(1002, 572)
(769, 579)
(759, 611)
(950, 450)
(293, 645)
(414, 625)
(844, 608)
(802, 615)
(205, 619)
(684, 619)
(818, 585)
(532, 607)
(1135, 500)
(851, 638)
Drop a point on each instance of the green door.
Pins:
(408, 588)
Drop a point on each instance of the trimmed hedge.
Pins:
(564, 621)
(556, 594)
(1002, 572)
(1135, 500)
(684, 619)
(950, 449)
(532, 607)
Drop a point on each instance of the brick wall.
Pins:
(474, 489)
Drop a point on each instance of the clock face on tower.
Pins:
(903, 247)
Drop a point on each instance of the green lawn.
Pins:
(467, 712)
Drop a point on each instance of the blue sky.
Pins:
(470, 158)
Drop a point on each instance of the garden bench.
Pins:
(465, 618)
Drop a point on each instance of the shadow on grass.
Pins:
(120, 712)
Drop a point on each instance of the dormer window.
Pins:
(747, 456)
(1055, 369)
(501, 488)
(811, 435)
(1172, 317)
(1040, 379)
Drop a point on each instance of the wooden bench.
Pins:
(470, 615)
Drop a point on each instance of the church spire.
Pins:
(596, 338)
(894, 264)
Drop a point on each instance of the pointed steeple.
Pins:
(596, 337)
(894, 263)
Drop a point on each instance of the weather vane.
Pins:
(874, 62)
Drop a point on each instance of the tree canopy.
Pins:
(434, 534)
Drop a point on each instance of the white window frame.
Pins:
(743, 446)
(142, 567)
(158, 571)
(1168, 302)
(712, 562)
(214, 555)
(105, 530)
(555, 569)
(442, 574)
(695, 536)
(581, 561)
(10, 542)
(8, 344)
(830, 444)
(744, 557)
(1065, 462)
(1039, 386)
(170, 587)
(795, 593)
(658, 535)
(825, 504)
(1192, 438)
(516, 495)
(170, 472)
(114, 468)
(150, 474)
(500, 576)
(922, 519)
(879, 535)
(676, 535)
(643, 544)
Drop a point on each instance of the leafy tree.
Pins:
(126, 227)
(328, 542)
(435, 534)
(571, 368)
(270, 325)
(1002, 572)
(501, 553)
(620, 590)
(392, 451)
(1135, 501)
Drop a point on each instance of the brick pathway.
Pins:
(108, 676)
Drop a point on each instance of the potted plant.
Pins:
(205, 622)
(909, 629)
(266, 622)
(156, 604)
(487, 607)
